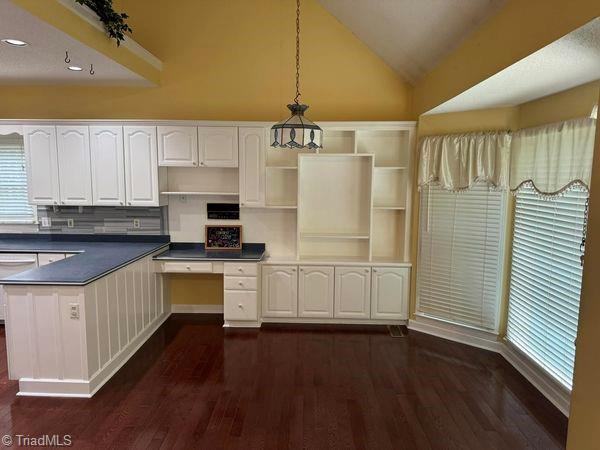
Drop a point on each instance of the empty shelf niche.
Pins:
(389, 188)
(391, 148)
(334, 205)
(203, 181)
(389, 236)
(281, 187)
(338, 141)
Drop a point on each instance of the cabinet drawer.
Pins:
(241, 269)
(240, 283)
(240, 305)
(187, 267)
(48, 258)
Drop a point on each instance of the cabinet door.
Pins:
(279, 291)
(74, 165)
(352, 292)
(218, 146)
(177, 146)
(42, 165)
(141, 166)
(252, 167)
(389, 293)
(108, 170)
(315, 291)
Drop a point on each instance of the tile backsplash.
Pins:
(103, 219)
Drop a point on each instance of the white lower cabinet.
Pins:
(240, 305)
(279, 291)
(13, 263)
(352, 293)
(48, 258)
(315, 291)
(389, 293)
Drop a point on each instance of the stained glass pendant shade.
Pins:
(297, 131)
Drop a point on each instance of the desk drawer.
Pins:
(240, 283)
(187, 267)
(240, 305)
(241, 269)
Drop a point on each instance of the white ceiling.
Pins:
(42, 61)
(412, 36)
(568, 62)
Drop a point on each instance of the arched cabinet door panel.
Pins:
(41, 158)
(141, 166)
(108, 171)
(252, 167)
(389, 293)
(177, 146)
(279, 291)
(74, 165)
(315, 291)
(218, 146)
(352, 292)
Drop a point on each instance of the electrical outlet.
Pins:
(136, 223)
(74, 310)
(46, 222)
(70, 223)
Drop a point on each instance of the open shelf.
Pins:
(338, 141)
(388, 235)
(389, 189)
(334, 249)
(334, 235)
(391, 148)
(199, 193)
(281, 187)
(202, 181)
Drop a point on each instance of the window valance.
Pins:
(458, 161)
(553, 157)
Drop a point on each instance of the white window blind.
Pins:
(460, 255)
(545, 281)
(14, 206)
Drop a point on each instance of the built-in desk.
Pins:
(240, 275)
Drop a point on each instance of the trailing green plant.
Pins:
(114, 22)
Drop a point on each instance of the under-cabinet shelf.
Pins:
(231, 194)
(334, 236)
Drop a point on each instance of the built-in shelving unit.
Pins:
(202, 181)
(352, 196)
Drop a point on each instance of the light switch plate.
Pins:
(70, 223)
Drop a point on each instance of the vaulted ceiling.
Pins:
(412, 36)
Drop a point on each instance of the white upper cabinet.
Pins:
(315, 291)
(252, 167)
(141, 166)
(178, 146)
(279, 291)
(74, 166)
(352, 292)
(218, 146)
(42, 165)
(389, 293)
(108, 170)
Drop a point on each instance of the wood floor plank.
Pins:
(197, 385)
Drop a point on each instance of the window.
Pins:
(545, 281)
(14, 206)
(460, 255)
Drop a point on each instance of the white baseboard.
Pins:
(549, 388)
(457, 333)
(197, 309)
(557, 394)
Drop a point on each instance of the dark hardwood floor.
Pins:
(196, 385)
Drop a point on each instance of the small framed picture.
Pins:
(223, 237)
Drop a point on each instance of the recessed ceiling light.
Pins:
(75, 68)
(15, 42)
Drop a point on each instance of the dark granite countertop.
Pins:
(97, 255)
(197, 252)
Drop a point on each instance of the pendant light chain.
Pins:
(297, 52)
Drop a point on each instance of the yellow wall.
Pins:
(232, 60)
(520, 28)
(205, 289)
(584, 421)
(570, 104)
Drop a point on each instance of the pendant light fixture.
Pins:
(297, 131)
